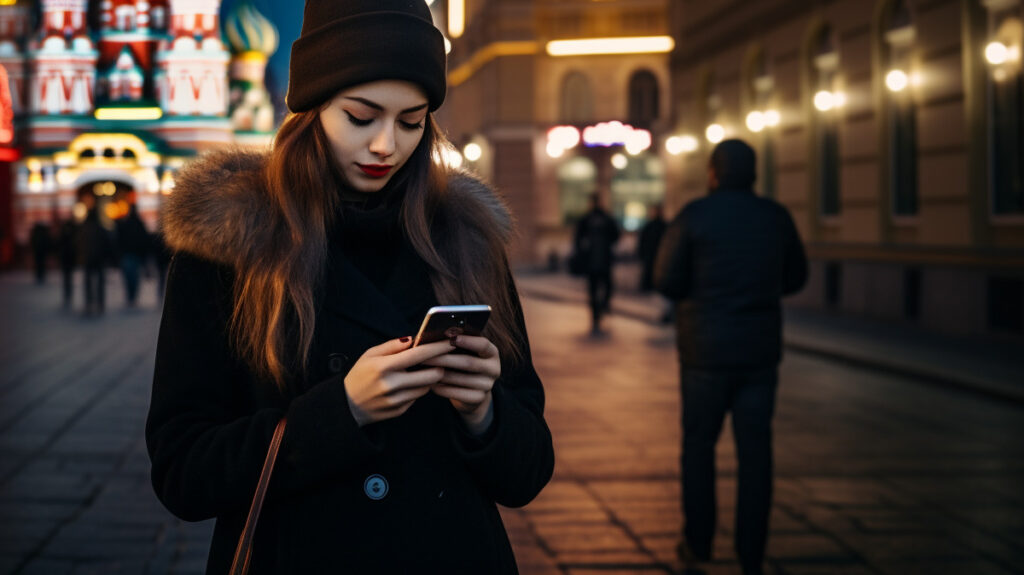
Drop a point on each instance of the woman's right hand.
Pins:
(378, 385)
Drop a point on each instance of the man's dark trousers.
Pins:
(750, 397)
(599, 288)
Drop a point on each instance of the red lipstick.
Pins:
(375, 170)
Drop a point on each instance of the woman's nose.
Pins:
(383, 143)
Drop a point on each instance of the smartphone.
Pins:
(448, 321)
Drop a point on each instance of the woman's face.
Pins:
(373, 129)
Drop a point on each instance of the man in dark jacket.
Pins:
(728, 259)
(94, 247)
(647, 246)
(596, 235)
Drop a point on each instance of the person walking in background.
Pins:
(132, 245)
(41, 243)
(647, 245)
(94, 249)
(594, 241)
(728, 259)
(66, 236)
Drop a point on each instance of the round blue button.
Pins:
(375, 487)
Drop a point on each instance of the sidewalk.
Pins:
(994, 369)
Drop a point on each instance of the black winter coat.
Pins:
(728, 259)
(415, 494)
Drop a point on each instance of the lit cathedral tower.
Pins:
(13, 30)
(64, 77)
(253, 39)
(192, 75)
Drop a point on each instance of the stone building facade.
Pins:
(891, 129)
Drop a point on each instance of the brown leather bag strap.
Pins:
(243, 552)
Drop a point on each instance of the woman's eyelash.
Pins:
(361, 122)
(358, 121)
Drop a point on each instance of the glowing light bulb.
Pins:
(472, 151)
(824, 100)
(997, 53)
(772, 118)
(897, 80)
(619, 161)
(715, 133)
(756, 121)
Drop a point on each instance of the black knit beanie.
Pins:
(348, 42)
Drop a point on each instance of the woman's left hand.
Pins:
(469, 378)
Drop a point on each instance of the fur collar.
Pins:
(220, 209)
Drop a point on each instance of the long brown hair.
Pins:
(274, 315)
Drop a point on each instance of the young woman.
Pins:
(298, 280)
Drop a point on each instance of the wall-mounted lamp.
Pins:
(897, 80)
(472, 151)
(715, 133)
(681, 144)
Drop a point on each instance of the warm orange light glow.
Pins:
(595, 46)
(481, 57)
(456, 17)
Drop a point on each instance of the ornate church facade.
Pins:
(111, 97)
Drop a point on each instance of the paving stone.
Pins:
(874, 474)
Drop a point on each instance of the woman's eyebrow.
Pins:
(377, 106)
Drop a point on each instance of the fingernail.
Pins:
(404, 339)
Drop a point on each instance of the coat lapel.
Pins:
(351, 295)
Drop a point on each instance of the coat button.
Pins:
(375, 487)
(336, 362)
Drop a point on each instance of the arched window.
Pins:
(827, 99)
(900, 111)
(577, 99)
(1006, 113)
(643, 99)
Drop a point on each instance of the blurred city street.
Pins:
(876, 473)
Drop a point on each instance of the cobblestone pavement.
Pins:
(875, 474)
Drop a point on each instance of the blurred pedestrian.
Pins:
(132, 245)
(94, 252)
(647, 245)
(594, 242)
(728, 259)
(41, 244)
(67, 252)
(293, 295)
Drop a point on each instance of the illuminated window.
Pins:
(643, 99)
(900, 110)
(577, 99)
(826, 123)
(1006, 117)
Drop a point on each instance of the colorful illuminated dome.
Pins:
(247, 31)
